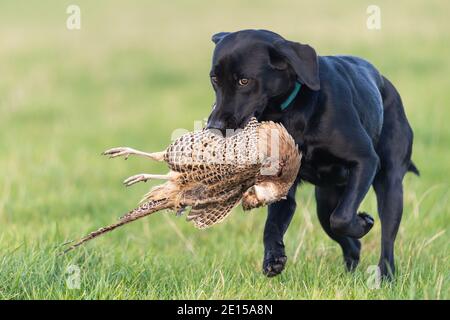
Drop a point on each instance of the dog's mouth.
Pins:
(244, 122)
(227, 132)
(230, 125)
(255, 116)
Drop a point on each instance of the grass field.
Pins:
(136, 71)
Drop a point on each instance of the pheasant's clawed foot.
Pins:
(137, 178)
(126, 152)
(145, 176)
(120, 151)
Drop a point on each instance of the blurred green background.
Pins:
(137, 70)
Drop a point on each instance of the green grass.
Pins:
(136, 71)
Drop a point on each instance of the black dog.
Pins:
(347, 119)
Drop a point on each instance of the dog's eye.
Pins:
(243, 82)
(214, 79)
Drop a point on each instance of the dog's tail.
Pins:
(412, 168)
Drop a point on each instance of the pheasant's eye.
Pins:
(243, 82)
(214, 79)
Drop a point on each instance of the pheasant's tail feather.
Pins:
(143, 210)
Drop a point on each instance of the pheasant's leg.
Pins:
(144, 177)
(125, 151)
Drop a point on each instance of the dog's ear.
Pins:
(301, 57)
(219, 36)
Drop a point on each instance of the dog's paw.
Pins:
(387, 271)
(351, 255)
(356, 228)
(273, 266)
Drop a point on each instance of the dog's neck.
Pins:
(287, 102)
(296, 117)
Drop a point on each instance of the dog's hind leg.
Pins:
(389, 190)
(327, 199)
(394, 150)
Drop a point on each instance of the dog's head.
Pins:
(253, 70)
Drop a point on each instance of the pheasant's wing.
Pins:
(286, 165)
(207, 215)
(222, 177)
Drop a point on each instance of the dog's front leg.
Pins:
(278, 219)
(345, 221)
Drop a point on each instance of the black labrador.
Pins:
(347, 119)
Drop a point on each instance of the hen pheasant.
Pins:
(210, 174)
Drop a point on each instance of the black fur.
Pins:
(348, 121)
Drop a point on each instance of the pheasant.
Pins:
(210, 174)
